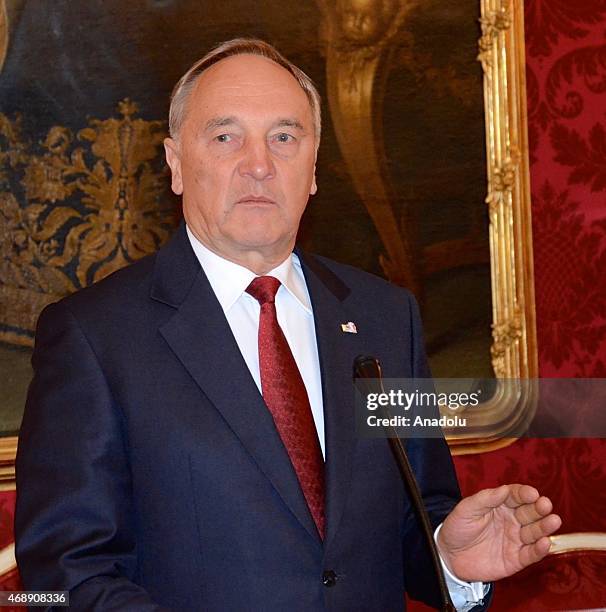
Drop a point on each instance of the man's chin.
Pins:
(257, 232)
(260, 243)
(270, 243)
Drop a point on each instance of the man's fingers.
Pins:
(512, 495)
(534, 532)
(528, 513)
(487, 499)
(520, 494)
(534, 552)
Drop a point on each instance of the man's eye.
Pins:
(284, 137)
(223, 138)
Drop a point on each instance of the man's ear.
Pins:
(314, 187)
(173, 159)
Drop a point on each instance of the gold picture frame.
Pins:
(514, 348)
(357, 56)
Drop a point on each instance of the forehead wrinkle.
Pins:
(235, 72)
(239, 98)
(253, 90)
(231, 78)
(216, 122)
(230, 87)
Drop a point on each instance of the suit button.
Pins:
(329, 578)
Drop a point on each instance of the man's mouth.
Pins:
(251, 199)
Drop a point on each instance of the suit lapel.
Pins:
(199, 335)
(337, 351)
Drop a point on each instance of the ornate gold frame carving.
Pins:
(514, 349)
(361, 44)
(360, 39)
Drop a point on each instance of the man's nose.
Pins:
(257, 161)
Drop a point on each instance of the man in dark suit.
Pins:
(189, 440)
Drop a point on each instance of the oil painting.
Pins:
(84, 190)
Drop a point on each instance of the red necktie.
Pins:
(286, 397)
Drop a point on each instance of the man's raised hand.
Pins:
(497, 532)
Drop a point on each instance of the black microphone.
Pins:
(368, 368)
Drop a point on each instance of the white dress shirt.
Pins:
(295, 316)
(293, 308)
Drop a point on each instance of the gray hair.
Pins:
(238, 46)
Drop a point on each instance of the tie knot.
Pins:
(264, 289)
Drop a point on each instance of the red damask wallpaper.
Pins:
(566, 90)
(566, 85)
(9, 581)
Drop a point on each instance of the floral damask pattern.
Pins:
(566, 95)
(570, 254)
(573, 474)
(566, 84)
(547, 21)
(586, 157)
(566, 79)
(566, 582)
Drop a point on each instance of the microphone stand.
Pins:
(369, 368)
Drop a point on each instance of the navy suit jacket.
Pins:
(150, 474)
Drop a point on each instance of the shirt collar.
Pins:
(229, 280)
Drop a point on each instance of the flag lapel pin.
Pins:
(349, 328)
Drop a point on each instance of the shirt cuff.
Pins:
(464, 595)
